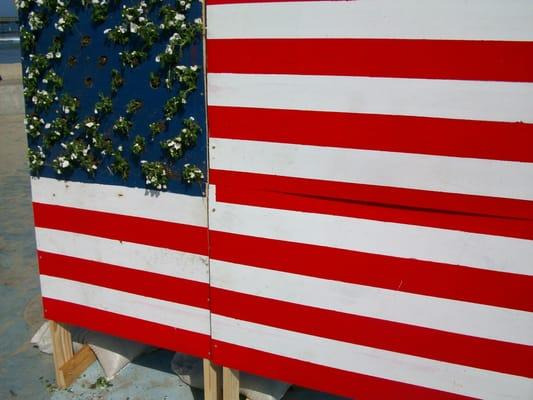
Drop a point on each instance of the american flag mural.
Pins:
(116, 253)
(371, 187)
(360, 220)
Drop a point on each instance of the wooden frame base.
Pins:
(220, 383)
(68, 366)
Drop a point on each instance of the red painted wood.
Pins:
(399, 198)
(418, 341)
(407, 275)
(399, 58)
(129, 280)
(437, 136)
(187, 238)
(163, 336)
(342, 383)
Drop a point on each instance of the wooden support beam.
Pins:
(68, 366)
(231, 384)
(212, 381)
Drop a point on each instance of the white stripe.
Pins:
(162, 312)
(430, 312)
(394, 19)
(136, 202)
(471, 176)
(471, 100)
(495, 253)
(124, 254)
(398, 367)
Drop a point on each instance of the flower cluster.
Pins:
(155, 173)
(171, 19)
(122, 126)
(22, 4)
(34, 125)
(100, 10)
(42, 99)
(117, 81)
(176, 146)
(36, 21)
(36, 158)
(157, 127)
(139, 143)
(27, 39)
(185, 36)
(66, 21)
(132, 58)
(57, 129)
(104, 105)
(69, 104)
(134, 21)
(190, 131)
(174, 105)
(191, 173)
(76, 153)
(186, 76)
(90, 126)
(53, 81)
(133, 106)
(173, 147)
(120, 166)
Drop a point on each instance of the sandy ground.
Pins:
(21, 366)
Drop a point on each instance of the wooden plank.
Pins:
(74, 367)
(231, 384)
(212, 381)
(62, 345)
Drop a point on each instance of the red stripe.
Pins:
(399, 58)
(126, 327)
(437, 136)
(215, 2)
(343, 383)
(407, 275)
(518, 228)
(187, 238)
(125, 279)
(376, 195)
(476, 352)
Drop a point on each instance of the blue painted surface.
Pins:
(136, 86)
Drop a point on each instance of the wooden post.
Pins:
(68, 366)
(231, 384)
(212, 381)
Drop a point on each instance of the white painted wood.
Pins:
(136, 202)
(399, 367)
(431, 312)
(124, 254)
(392, 19)
(131, 305)
(471, 176)
(495, 253)
(456, 99)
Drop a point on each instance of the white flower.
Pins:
(45, 80)
(47, 126)
(119, 148)
(34, 99)
(198, 21)
(157, 59)
(58, 55)
(194, 68)
(49, 55)
(65, 164)
(106, 31)
(89, 124)
(133, 27)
